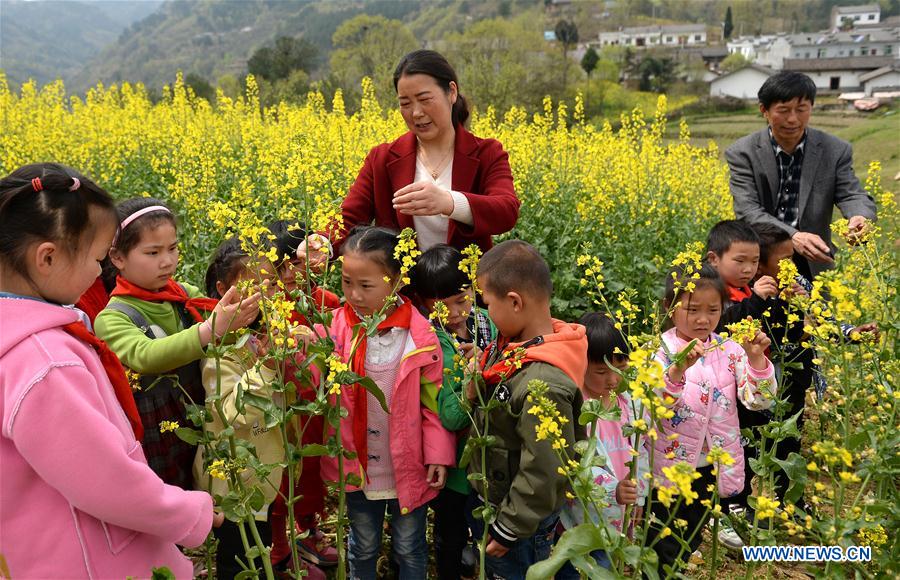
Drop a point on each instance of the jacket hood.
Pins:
(566, 349)
(22, 317)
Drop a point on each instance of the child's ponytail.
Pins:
(47, 202)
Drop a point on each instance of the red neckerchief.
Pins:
(114, 371)
(737, 294)
(323, 301)
(171, 293)
(93, 300)
(399, 318)
(511, 359)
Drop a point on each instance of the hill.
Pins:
(55, 39)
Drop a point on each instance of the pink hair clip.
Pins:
(76, 183)
(36, 184)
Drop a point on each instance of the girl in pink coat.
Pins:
(716, 376)
(77, 499)
(402, 456)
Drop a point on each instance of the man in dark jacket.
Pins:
(792, 176)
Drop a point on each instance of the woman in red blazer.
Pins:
(449, 185)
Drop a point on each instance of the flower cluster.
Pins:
(745, 330)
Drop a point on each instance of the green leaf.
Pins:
(162, 573)
(313, 450)
(576, 542)
(353, 479)
(189, 436)
(795, 468)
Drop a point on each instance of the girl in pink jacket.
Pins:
(402, 456)
(77, 499)
(716, 376)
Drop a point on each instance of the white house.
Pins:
(773, 53)
(838, 74)
(647, 36)
(869, 42)
(884, 79)
(767, 50)
(865, 14)
(742, 84)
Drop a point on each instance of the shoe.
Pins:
(468, 567)
(316, 549)
(728, 537)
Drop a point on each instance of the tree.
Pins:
(588, 64)
(498, 64)
(370, 46)
(728, 26)
(589, 61)
(656, 74)
(732, 62)
(286, 56)
(567, 35)
(200, 86)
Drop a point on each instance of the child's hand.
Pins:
(231, 313)
(676, 372)
(437, 476)
(626, 492)
(496, 549)
(766, 287)
(218, 519)
(756, 351)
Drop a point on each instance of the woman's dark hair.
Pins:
(437, 274)
(47, 202)
(129, 237)
(225, 266)
(433, 64)
(786, 86)
(709, 278)
(769, 235)
(605, 341)
(376, 243)
(289, 234)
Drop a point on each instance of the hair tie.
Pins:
(140, 213)
(76, 183)
(36, 184)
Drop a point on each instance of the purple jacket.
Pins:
(706, 408)
(77, 499)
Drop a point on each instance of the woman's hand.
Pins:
(316, 249)
(423, 198)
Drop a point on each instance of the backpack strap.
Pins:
(134, 315)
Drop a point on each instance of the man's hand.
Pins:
(812, 247)
(857, 226)
(496, 549)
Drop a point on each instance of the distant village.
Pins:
(858, 57)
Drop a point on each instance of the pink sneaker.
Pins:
(316, 549)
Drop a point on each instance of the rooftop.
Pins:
(841, 63)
